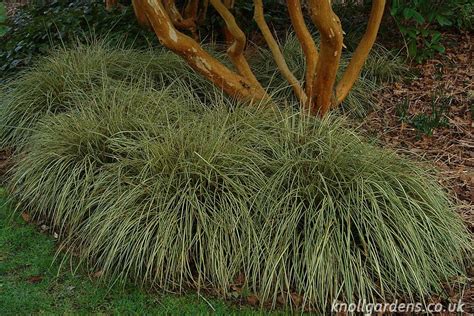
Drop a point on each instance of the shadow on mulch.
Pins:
(406, 118)
(430, 118)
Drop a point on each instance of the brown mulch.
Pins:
(12, 6)
(446, 80)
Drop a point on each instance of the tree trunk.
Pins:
(359, 58)
(110, 4)
(319, 93)
(329, 27)
(230, 82)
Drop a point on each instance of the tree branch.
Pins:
(140, 14)
(178, 21)
(329, 27)
(229, 38)
(307, 43)
(354, 68)
(276, 52)
(236, 50)
(232, 83)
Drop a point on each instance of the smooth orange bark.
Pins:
(359, 57)
(232, 83)
(307, 43)
(236, 50)
(178, 21)
(140, 14)
(276, 52)
(320, 92)
(330, 29)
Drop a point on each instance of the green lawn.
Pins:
(31, 283)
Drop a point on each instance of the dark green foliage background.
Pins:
(38, 27)
(421, 22)
(42, 25)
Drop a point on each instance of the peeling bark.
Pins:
(329, 27)
(209, 67)
(319, 93)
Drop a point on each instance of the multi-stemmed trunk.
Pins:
(320, 92)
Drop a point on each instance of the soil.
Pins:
(12, 6)
(443, 84)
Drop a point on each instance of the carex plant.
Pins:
(147, 178)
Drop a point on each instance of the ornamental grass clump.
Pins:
(345, 219)
(168, 191)
(154, 189)
(49, 86)
(381, 67)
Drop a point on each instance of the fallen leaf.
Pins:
(35, 279)
(98, 274)
(281, 300)
(240, 279)
(296, 298)
(252, 300)
(26, 217)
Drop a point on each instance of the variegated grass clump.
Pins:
(382, 66)
(48, 87)
(158, 187)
